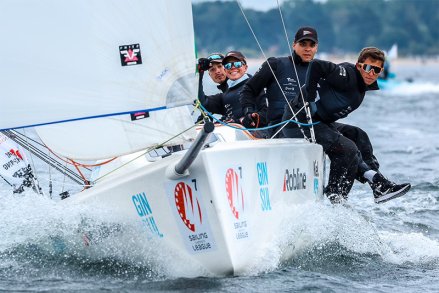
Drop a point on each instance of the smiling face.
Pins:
(306, 49)
(217, 72)
(371, 76)
(234, 73)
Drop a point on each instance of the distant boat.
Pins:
(113, 78)
(388, 79)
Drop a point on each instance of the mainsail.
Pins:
(105, 59)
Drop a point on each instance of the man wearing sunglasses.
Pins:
(332, 92)
(278, 76)
(227, 103)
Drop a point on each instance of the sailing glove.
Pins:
(250, 120)
(203, 64)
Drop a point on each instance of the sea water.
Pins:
(358, 247)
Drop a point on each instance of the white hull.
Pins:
(226, 210)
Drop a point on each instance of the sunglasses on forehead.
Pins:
(236, 64)
(215, 57)
(367, 68)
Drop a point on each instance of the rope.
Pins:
(34, 180)
(272, 71)
(18, 138)
(254, 129)
(263, 53)
(307, 110)
(145, 152)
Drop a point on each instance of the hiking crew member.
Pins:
(304, 48)
(214, 66)
(334, 91)
(216, 71)
(227, 103)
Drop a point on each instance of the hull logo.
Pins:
(234, 192)
(188, 206)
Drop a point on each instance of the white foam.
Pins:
(38, 220)
(412, 88)
(410, 247)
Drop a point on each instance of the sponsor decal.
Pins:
(163, 74)
(145, 213)
(235, 197)
(294, 180)
(12, 158)
(130, 55)
(342, 71)
(234, 192)
(187, 207)
(139, 115)
(264, 192)
(316, 177)
(14, 169)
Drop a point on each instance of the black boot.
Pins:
(384, 190)
(334, 195)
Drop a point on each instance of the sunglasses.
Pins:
(367, 68)
(236, 64)
(215, 57)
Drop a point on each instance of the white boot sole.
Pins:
(393, 195)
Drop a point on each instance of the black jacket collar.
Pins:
(297, 59)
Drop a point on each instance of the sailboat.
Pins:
(110, 81)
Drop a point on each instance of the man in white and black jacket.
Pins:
(333, 91)
(227, 103)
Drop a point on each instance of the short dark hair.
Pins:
(372, 53)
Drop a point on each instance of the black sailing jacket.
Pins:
(336, 89)
(283, 68)
(228, 105)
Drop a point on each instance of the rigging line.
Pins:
(6, 181)
(260, 48)
(25, 140)
(50, 176)
(80, 173)
(268, 63)
(255, 129)
(145, 152)
(86, 166)
(66, 183)
(17, 137)
(293, 118)
(43, 157)
(307, 110)
(64, 180)
(35, 182)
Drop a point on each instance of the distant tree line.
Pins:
(343, 26)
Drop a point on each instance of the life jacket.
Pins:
(230, 99)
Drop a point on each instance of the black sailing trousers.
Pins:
(348, 147)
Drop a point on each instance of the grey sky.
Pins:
(263, 5)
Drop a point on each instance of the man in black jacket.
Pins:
(281, 77)
(333, 91)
